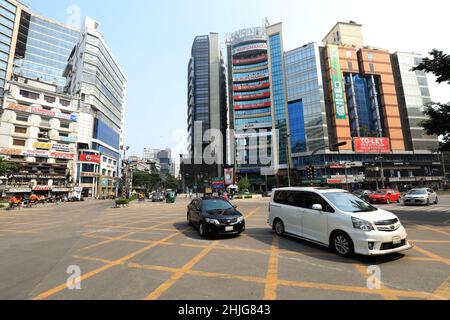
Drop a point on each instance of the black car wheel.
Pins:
(437, 201)
(202, 230)
(342, 244)
(279, 227)
(189, 219)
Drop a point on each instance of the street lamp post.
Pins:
(380, 158)
(125, 185)
(288, 155)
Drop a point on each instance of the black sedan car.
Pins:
(215, 216)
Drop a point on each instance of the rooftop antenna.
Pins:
(266, 22)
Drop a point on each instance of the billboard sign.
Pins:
(42, 112)
(337, 82)
(92, 158)
(229, 176)
(372, 145)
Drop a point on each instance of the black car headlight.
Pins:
(212, 221)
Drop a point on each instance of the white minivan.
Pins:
(336, 219)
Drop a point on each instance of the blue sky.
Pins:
(152, 42)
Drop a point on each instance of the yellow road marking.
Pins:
(122, 260)
(434, 230)
(260, 280)
(443, 292)
(180, 273)
(186, 268)
(270, 290)
(387, 296)
(432, 255)
(122, 236)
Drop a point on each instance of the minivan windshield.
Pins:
(348, 202)
(216, 205)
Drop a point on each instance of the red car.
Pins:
(386, 196)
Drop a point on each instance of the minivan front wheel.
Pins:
(342, 244)
(279, 228)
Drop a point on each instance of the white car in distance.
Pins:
(336, 219)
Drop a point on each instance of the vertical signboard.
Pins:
(229, 176)
(337, 82)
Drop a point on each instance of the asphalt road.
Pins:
(147, 251)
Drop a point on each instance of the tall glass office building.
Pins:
(306, 98)
(43, 48)
(250, 93)
(413, 95)
(8, 11)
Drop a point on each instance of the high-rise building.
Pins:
(43, 48)
(306, 99)
(94, 75)
(38, 129)
(352, 119)
(258, 100)
(10, 12)
(207, 103)
(413, 95)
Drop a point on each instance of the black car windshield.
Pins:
(211, 205)
(417, 192)
(348, 202)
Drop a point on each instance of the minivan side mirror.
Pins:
(317, 207)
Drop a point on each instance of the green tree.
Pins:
(438, 113)
(171, 182)
(244, 183)
(146, 180)
(6, 167)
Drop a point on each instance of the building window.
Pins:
(19, 142)
(50, 99)
(29, 95)
(350, 66)
(22, 118)
(65, 125)
(64, 103)
(20, 130)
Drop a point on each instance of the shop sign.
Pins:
(229, 176)
(337, 82)
(19, 190)
(92, 158)
(372, 145)
(90, 174)
(41, 111)
(42, 188)
(61, 190)
(259, 46)
(68, 139)
(37, 153)
(42, 145)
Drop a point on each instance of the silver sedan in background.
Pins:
(423, 196)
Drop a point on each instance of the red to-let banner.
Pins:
(372, 145)
(90, 158)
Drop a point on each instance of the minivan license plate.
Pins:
(396, 240)
(229, 229)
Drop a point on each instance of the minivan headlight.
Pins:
(213, 221)
(362, 225)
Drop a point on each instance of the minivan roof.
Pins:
(313, 189)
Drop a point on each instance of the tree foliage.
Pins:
(6, 167)
(244, 183)
(439, 65)
(438, 122)
(146, 180)
(171, 182)
(438, 113)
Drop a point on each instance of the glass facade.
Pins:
(278, 90)
(105, 134)
(43, 49)
(414, 94)
(198, 91)
(304, 82)
(7, 20)
(297, 127)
